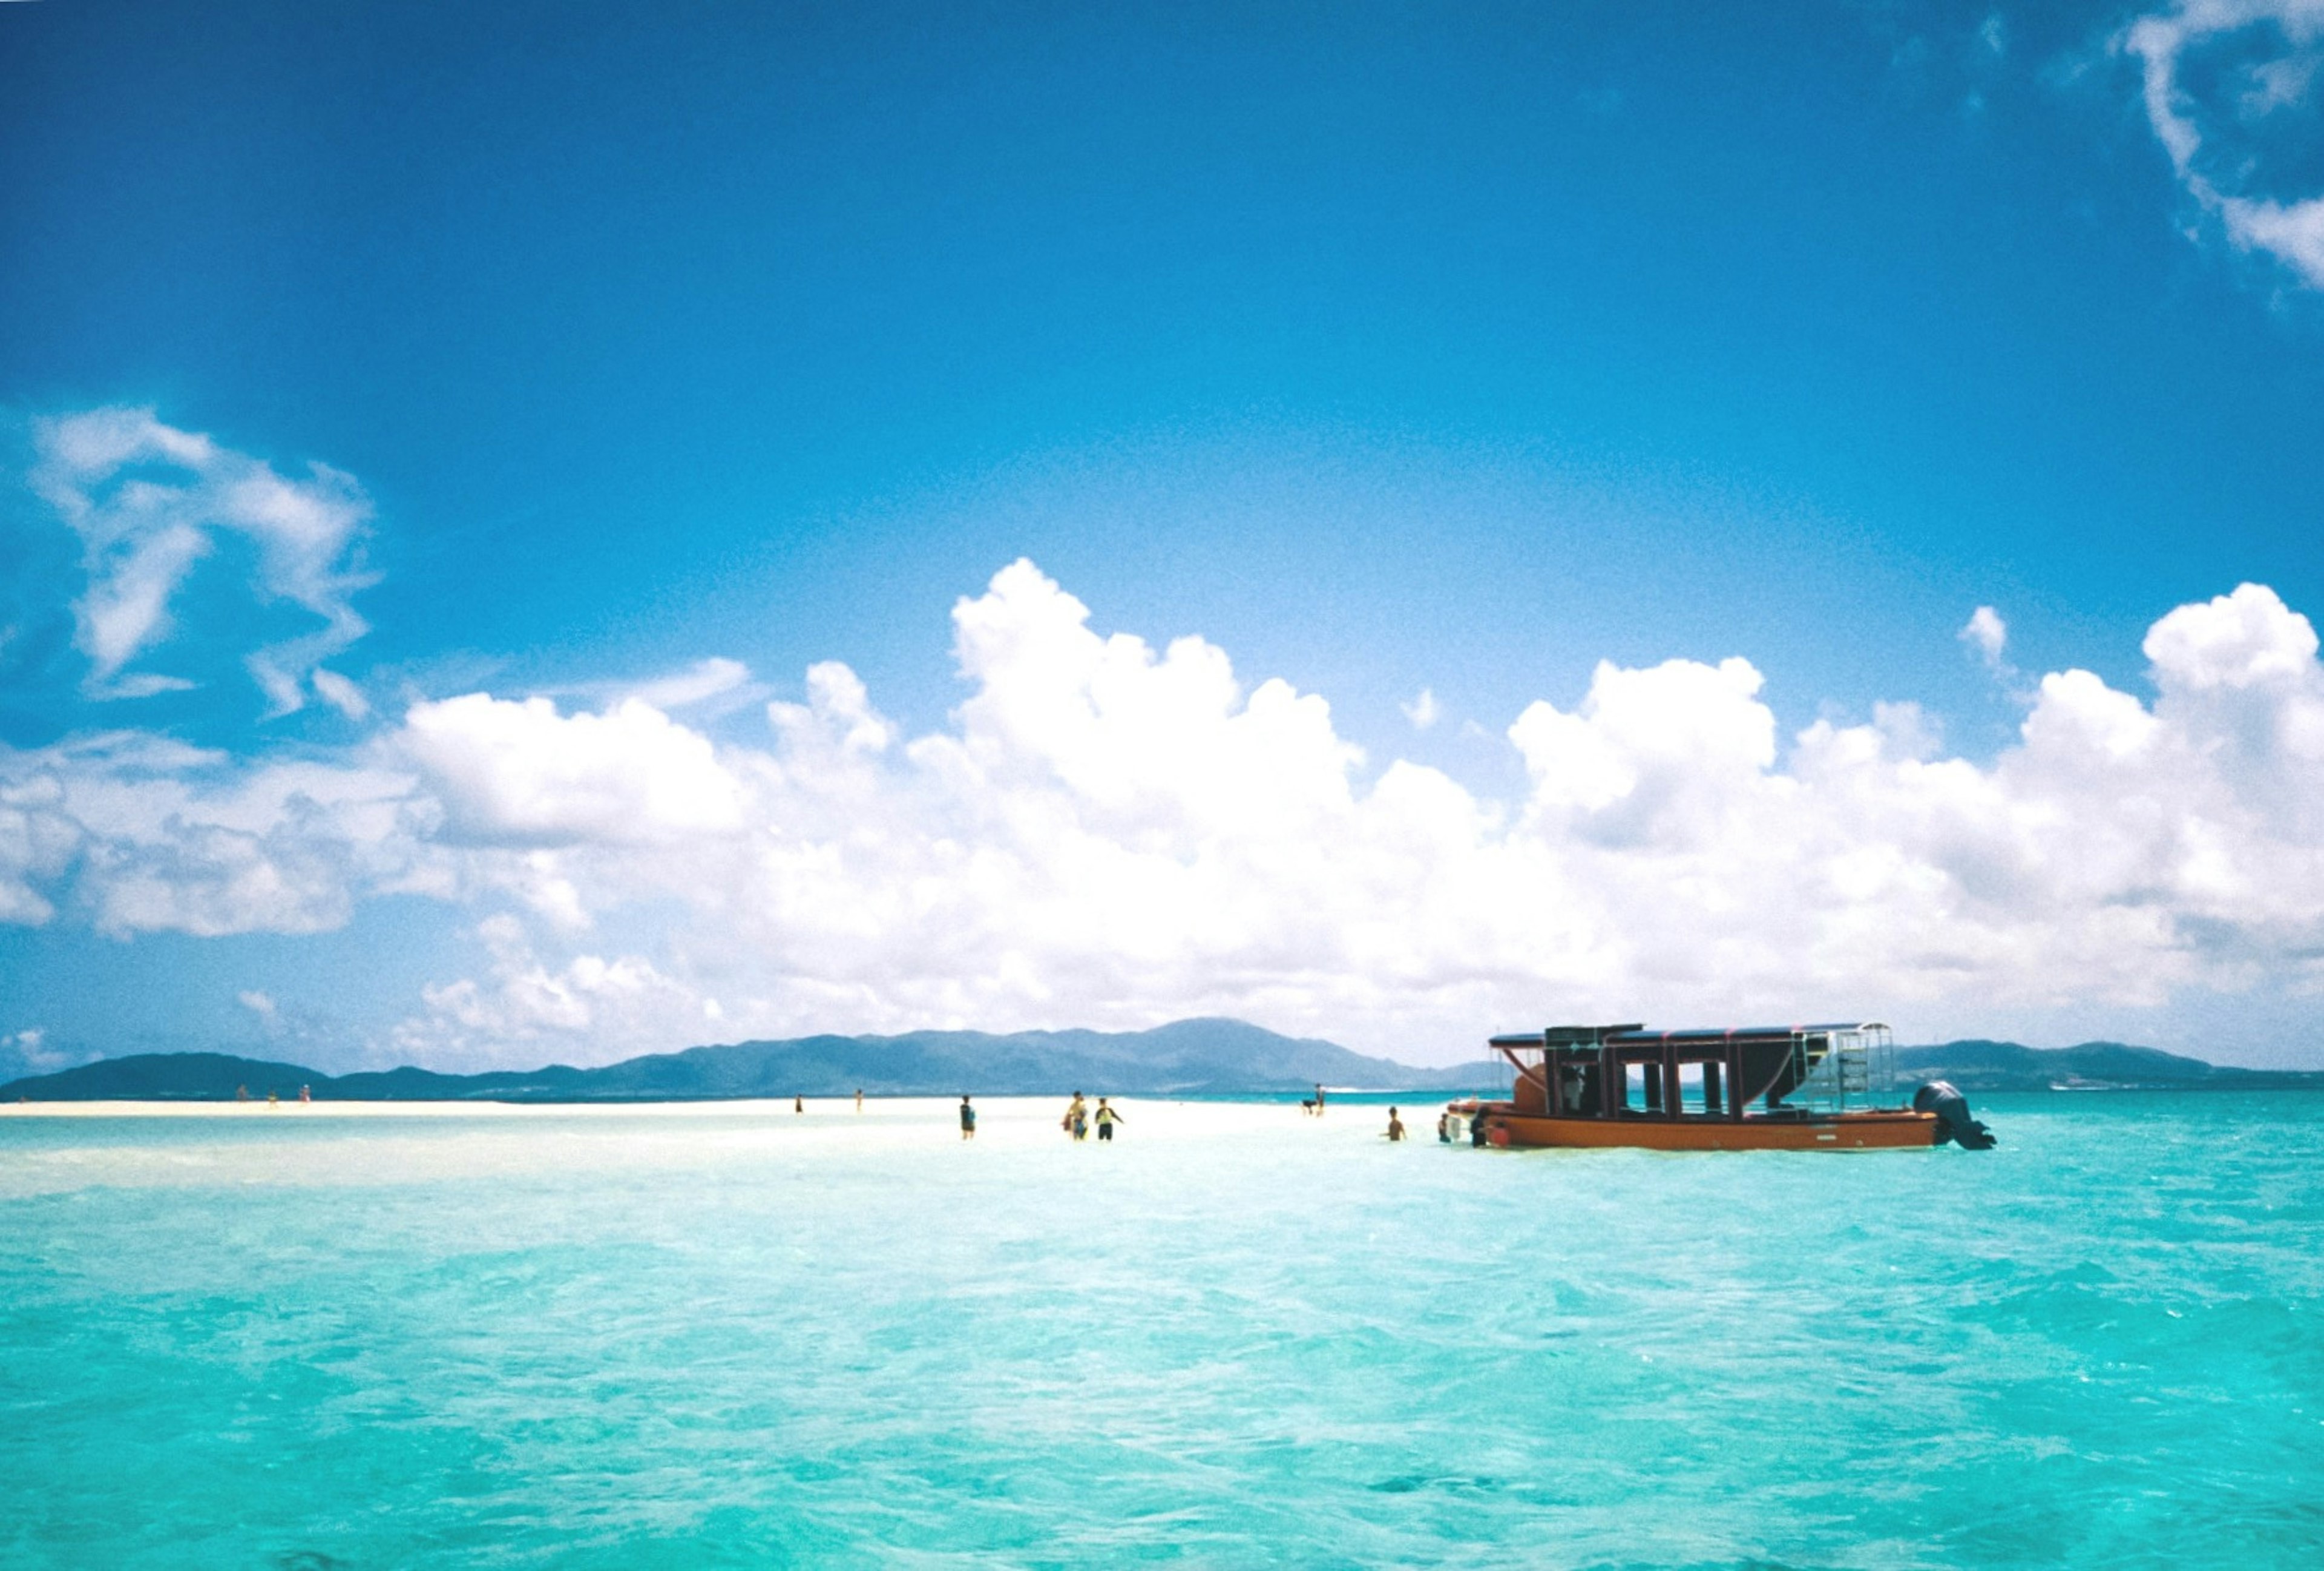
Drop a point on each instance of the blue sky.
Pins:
(1386, 349)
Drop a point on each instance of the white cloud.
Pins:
(149, 501)
(699, 683)
(27, 1052)
(260, 1004)
(520, 774)
(1422, 711)
(340, 694)
(2218, 144)
(1986, 632)
(140, 833)
(525, 1008)
(1108, 834)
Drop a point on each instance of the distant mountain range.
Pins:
(1189, 1057)
(1982, 1066)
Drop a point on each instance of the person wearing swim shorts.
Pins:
(967, 1120)
(1106, 1119)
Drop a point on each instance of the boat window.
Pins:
(1642, 1087)
(1691, 1098)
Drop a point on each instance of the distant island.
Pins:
(1189, 1057)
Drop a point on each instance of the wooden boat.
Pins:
(1807, 1087)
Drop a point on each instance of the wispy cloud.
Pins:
(149, 501)
(2219, 131)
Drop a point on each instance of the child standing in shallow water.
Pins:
(1106, 1119)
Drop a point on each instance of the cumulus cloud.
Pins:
(138, 834)
(525, 1007)
(2216, 110)
(519, 772)
(1422, 711)
(149, 501)
(1111, 834)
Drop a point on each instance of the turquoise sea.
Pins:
(303, 1338)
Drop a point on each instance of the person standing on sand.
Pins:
(1395, 1126)
(1106, 1119)
(967, 1120)
(859, 1099)
(798, 1104)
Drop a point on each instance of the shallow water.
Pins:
(691, 1337)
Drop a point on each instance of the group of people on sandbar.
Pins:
(1078, 1118)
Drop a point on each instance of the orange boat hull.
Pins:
(1839, 1132)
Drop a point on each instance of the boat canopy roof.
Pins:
(1631, 1034)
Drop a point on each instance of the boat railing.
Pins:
(1841, 1069)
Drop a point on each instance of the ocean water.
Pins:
(1239, 1337)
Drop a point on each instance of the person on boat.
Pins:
(967, 1120)
(1570, 1079)
(1106, 1119)
(1395, 1126)
(1076, 1120)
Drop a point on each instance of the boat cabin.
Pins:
(1628, 1072)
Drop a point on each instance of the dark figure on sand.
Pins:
(1314, 1104)
(967, 1120)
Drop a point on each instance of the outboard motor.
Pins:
(1954, 1121)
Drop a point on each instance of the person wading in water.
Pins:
(1106, 1119)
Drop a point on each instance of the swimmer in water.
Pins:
(1395, 1126)
(967, 1120)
